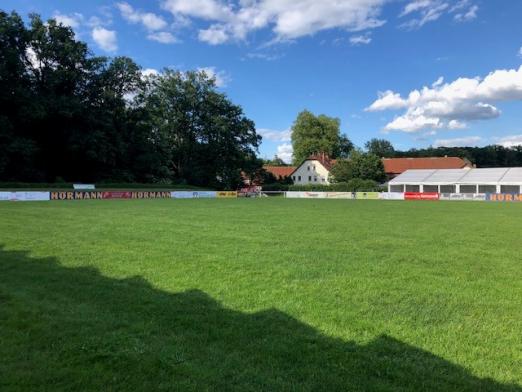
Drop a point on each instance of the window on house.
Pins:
(323, 180)
(308, 167)
(310, 178)
(293, 178)
(299, 178)
(315, 179)
(314, 167)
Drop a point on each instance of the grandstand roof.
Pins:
(502, 175)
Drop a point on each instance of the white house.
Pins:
(314, 170)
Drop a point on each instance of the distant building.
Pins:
(467, 180)
(316, 169)
(396, 166)
(313, 170)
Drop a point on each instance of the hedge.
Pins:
(355, 185)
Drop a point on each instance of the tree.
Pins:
(360, 165)
(206, 138)
(317, 134)
(276, 162)
(380, 147)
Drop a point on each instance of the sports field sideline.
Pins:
(260, 294)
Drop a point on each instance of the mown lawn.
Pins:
(267, 294)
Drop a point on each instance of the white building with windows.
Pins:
(467, 180)
(314, 170)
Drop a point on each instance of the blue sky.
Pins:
(416, 72)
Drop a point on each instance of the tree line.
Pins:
(68, 115)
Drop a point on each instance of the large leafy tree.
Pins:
(313, 134)
(380, 147)
(206, 137)
(359, 165)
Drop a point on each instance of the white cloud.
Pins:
(510, 141)
(163, 37)
(214, 35)
(221, 78)
(288, 19)
(458, 142)
(520, 52)
(363, 39)
(274, 135)
(425, 11)
(388, 100)
(73, 20)
(149, 20)
(149, 72)
(285, 152)
(456, 124)
(106, 39)
(451, 105)
(415, 6)
(438, 82)
(467, 16)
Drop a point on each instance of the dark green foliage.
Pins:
(318, 134)
(488, 156)
(276, 186)
(66, 115)
(353, 185)
(380, 147)
(359, 166)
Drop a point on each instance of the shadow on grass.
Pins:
(74, 329)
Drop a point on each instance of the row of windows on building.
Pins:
(298, 179)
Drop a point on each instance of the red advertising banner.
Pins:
(117, 195)
(421, 196)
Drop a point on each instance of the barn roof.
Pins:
(400, 165)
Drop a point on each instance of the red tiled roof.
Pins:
(280, 172)
(400, 165)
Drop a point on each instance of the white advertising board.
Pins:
(391, 196)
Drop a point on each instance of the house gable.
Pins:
(311, 171)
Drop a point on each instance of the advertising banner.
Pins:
(5, 196)
(89, 195)
(30, 196)
(340, 195)
(116, 195)
(306, 195)
(193, 194)
(226, 194)
(367, 195)
(463, 196)
(421, 196)
(391, 196)
(80, 187)
(505, 197)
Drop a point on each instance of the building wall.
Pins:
(311, 172)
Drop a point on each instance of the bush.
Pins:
(354, 185)
(275, 187)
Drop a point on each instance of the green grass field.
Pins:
(266, 294)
